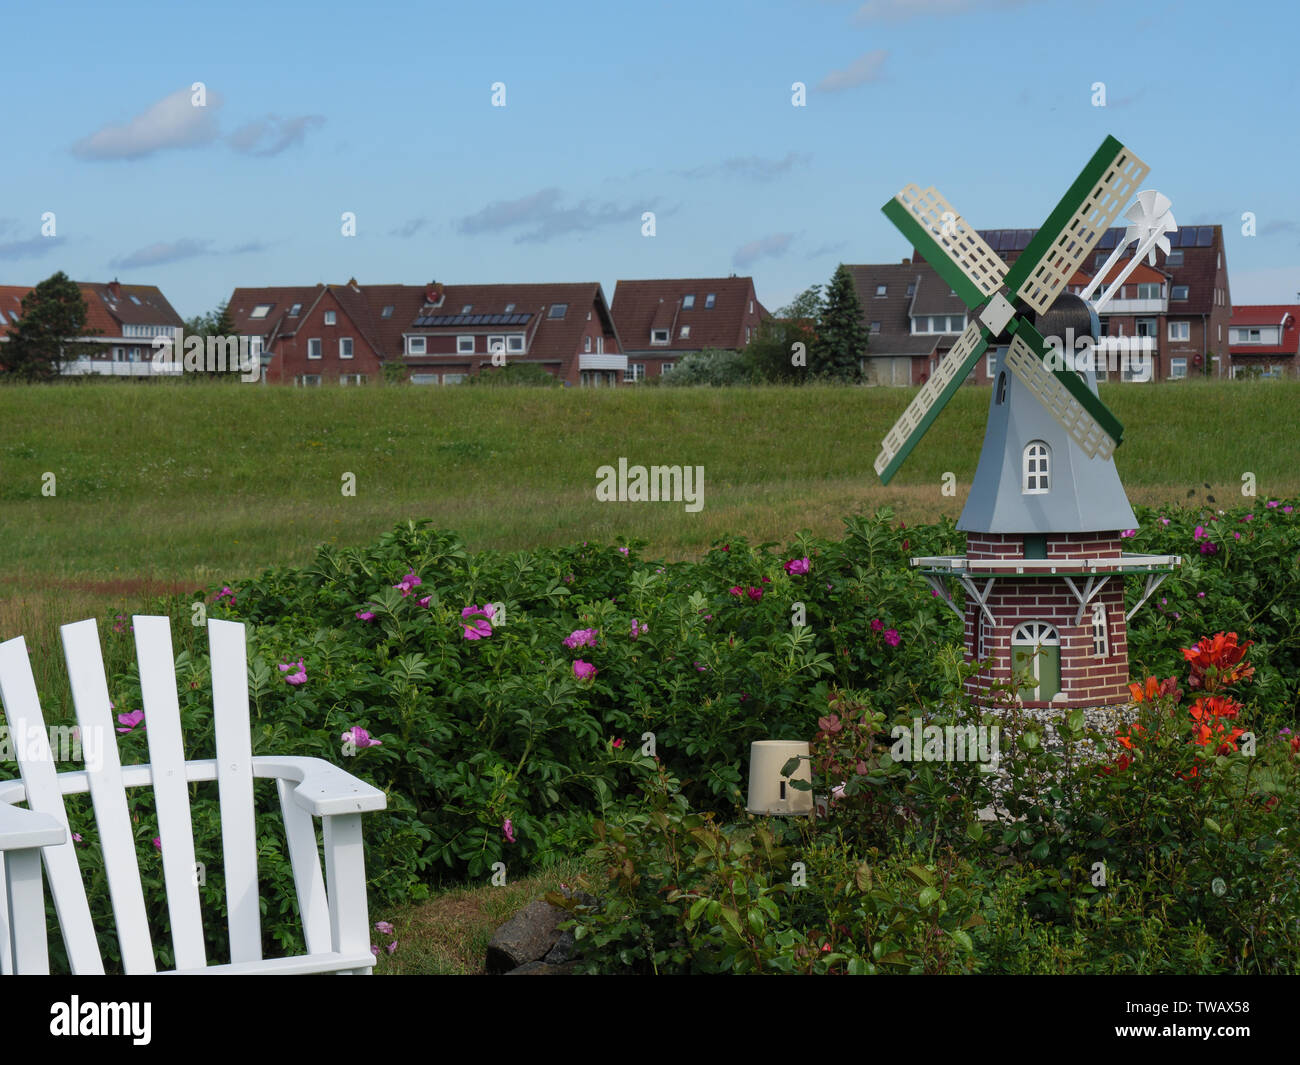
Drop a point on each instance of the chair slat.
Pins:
(28, 946)
(108, 793)
(36, 762)
(304, 856)
(235, 784)
(6, 936)
(162, 718)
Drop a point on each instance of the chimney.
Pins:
(115, 288)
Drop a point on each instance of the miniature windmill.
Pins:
(1043, 570)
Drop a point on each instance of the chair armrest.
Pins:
(22, 829)
(323, 788)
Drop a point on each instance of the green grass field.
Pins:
(168, 486)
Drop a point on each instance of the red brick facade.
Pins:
(1087, 678)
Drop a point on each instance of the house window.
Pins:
(708, 301)
(881, 290)
(746, 334)
(510, 308)
(586, 343)
(1036, 660)
(452, 378)
(558, 310)
(307, 380)
(911, 290)
(1100, 640)
(1002, 387)
(467, 308)
(1150, 291)
(688, 302)
(635, 372)
(464, 345)
(1178, 293)
(1174, 258)
(329, 317)
(1099, 260)
(387, 312)
(415, 345)
(424, 378)
(295, 310)
(515, 343)
(1180, 330)
(261, 310)
(685, 333)
(313, 348)
(1145, 327)
(600, 345)
(658, 336)
(1177, 368)
(988, 364)
(665, 368)
(496, 343)
(352, 379)
(345, 347)
(875, 327)
(751, 306)
(1037, 475)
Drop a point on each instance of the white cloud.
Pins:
(272, 135)
(162, 252)
(172, 122)
(901, 10)
(864, 69)
(772, 247)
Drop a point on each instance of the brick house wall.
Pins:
(1086, 678)
(292, 353)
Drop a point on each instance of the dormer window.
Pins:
(295, 310)
(658, 336)
(1037, 473)
(688, 302)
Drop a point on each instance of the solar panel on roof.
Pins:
(1205, 237)
(1108, 239)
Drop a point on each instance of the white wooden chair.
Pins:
(334, 915)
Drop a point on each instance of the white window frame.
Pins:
(709, 300)
(688, 302)
(496, 340)
(666, 368)
(461, 349)
(331, 318)
(1178, 368)
(1149, 295)
(882, 291)
(261, 310)
(308, 380)
(1184, 289)
(356, 379)
(660, 336)
(424, 378)
(1036, 469)
(1180, 330)
(1035, 634)
(314, 343)
(685, 333)
(988, 363)
(1148, 323)
(600, 345)
(635, 372)
(586, 344)
(515, 343)
(421, 341)
(1100, 632)
(453, 378)
(345, 353)
(295, 310)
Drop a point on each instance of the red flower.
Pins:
(1217, 662)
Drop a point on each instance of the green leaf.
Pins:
(929, 895)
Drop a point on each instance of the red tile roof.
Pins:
(1286, 315)
(640, 306)
(109, 306)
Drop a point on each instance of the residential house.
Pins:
(1183, 303)
(121, 322)
(438, 334)
(1264, 339)
(662, 320)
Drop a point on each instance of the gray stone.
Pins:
(541, 968)
(564, 949)
(526, 937)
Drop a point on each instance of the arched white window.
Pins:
(1036, 651)
(1038, 477)
(1100, 637)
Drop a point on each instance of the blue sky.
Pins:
(385, 110)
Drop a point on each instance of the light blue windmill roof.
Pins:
(1084, 495)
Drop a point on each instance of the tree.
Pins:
(53, 316)
(773, 352)
(216, 323)
(841, 336)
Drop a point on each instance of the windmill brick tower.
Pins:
(1043, 573)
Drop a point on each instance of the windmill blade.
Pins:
(1063, 395)
(932, 398)
(948, 243)
(1073, 229)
